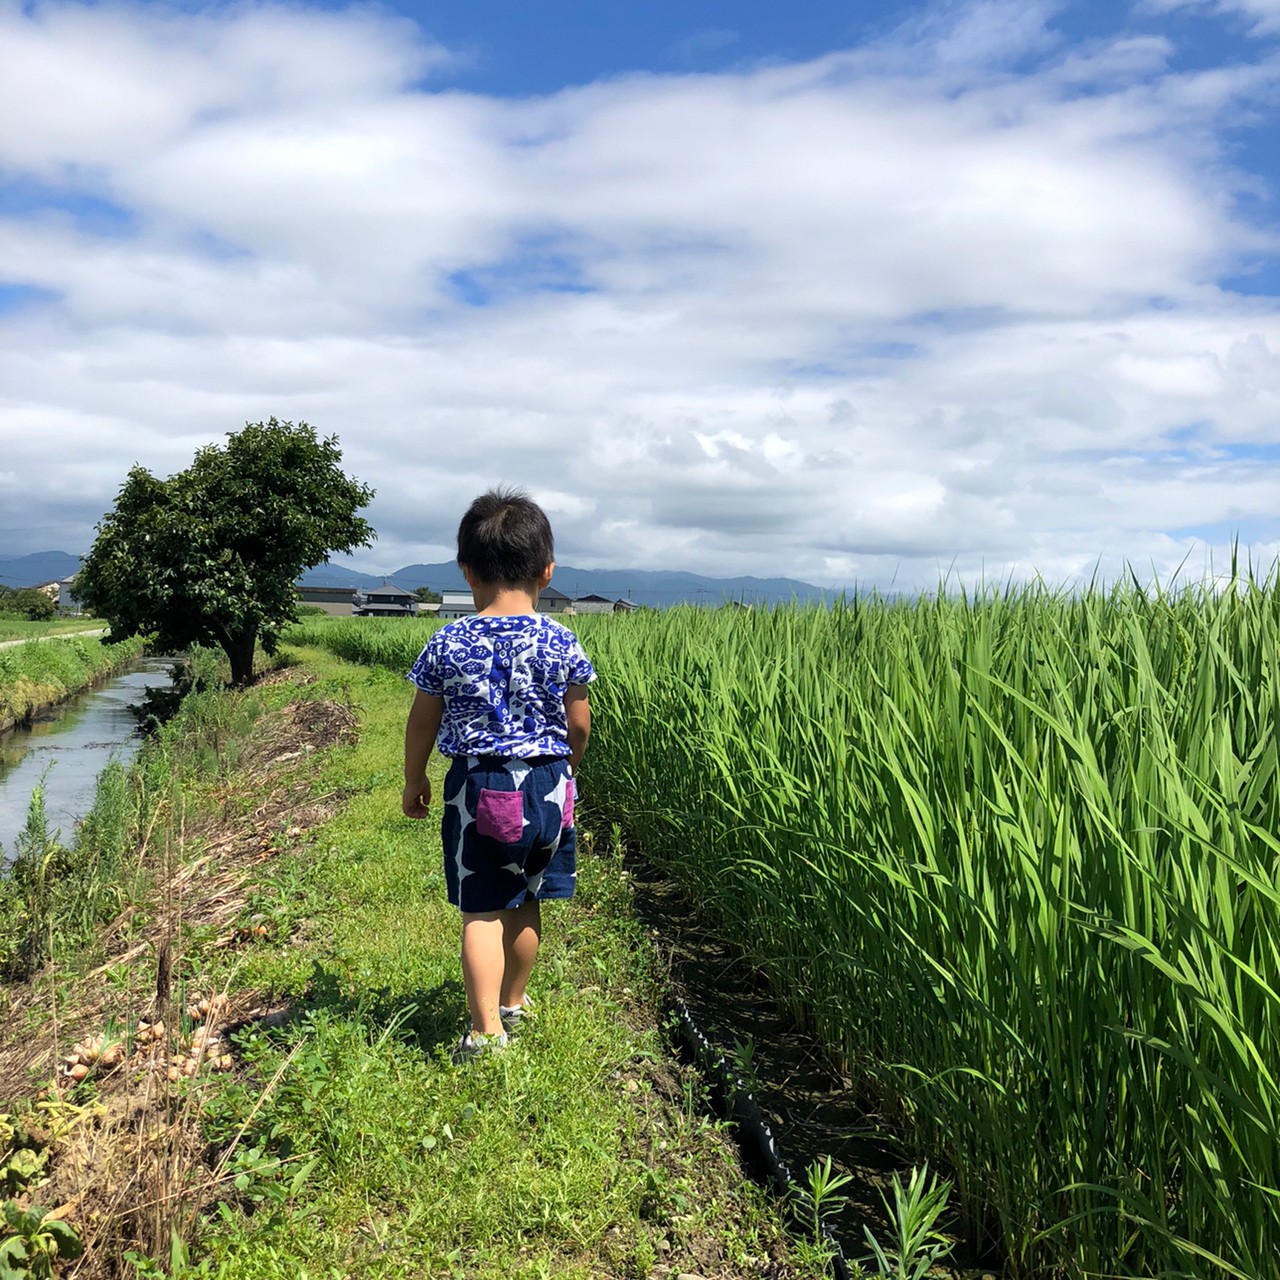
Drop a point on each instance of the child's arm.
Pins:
(577, 714)
(419, 741)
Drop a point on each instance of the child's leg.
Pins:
(521, 932)
(483, 962)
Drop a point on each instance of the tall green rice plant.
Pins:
(1018, 851)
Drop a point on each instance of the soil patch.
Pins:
(663, 1093)
(813, 1109)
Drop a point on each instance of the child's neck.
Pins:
(507, 599)
(500, 600)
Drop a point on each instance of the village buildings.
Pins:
(391, 601)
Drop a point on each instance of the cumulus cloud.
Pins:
(952, 298)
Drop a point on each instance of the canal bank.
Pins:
(64, 747)
(38, 674)
(284, 897)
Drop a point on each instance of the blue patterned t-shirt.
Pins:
(503, 681)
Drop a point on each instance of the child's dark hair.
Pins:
(505, 537)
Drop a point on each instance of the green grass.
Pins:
(25, 629)
(55, 894)
(579, 1152)
(42, 672)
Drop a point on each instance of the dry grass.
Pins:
(127, 1164)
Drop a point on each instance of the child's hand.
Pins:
(416, 799)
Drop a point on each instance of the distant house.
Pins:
(624, 606)
(333, 600)
(553, 601)
(386, 601)
(592, 604)
(67, 598)
(50, 589)
(459, 604)
(456, 604)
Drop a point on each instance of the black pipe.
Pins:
(739, 1105)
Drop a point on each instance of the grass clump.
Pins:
(54, 896)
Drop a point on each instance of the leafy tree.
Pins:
(427, 596)
(211, 554)
(31, 604)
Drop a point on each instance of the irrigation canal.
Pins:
(68, 746)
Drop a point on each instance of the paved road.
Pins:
(66, 635)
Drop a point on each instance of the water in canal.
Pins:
(73, 741)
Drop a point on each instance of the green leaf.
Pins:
(13, 1259)
(64, 1235)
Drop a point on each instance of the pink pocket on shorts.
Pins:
(570, 791)
(500, 815)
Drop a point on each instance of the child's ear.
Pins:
(545, 579)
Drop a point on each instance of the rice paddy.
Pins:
(1015, 856)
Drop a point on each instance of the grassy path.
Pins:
(580, 1152)
(342, 1143)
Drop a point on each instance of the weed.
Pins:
(742, 1060)
(27, 892)
(818, 1199)
(917, 1244)
(34, 1243)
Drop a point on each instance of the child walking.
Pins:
(504, 693)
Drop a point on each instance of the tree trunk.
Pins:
(238, 647)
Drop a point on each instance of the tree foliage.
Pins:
(211, 554)
(29, 602)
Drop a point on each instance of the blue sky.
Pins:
(847, 292)
(511, 48)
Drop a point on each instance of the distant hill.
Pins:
(656, 587)
(40, 566)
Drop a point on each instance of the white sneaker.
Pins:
(515, 1016)
(473, 1044)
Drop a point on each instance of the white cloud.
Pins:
(890, 309)
(96, 86)
(980, 33)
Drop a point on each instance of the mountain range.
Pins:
(32, 570)
(657, 587)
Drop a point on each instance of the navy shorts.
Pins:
(508, 831)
